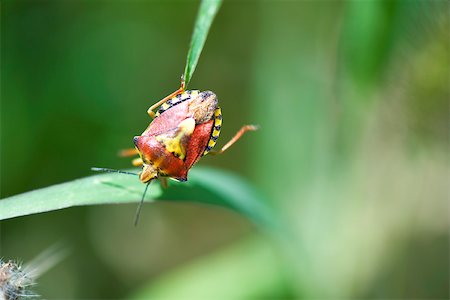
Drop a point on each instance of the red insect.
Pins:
(185, 128)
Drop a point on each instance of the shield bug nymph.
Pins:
(184, 128)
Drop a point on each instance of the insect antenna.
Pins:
(138, 211)
(113, 171)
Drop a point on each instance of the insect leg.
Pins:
(128, 152)
(235, 138)
(137, 162)
(179, 91)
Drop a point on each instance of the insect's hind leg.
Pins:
(235, 138)
(150, 111)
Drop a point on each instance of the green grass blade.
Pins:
(205, 185)
(207, 11)
(99, 189)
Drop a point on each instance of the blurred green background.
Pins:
(353, 102)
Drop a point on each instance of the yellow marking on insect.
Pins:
(173, 142)
(176, 100)
(194, 93)
(165, 106)
(218, 117)
(185, 96)
(216, 130)
(157, 162)
(211, 143)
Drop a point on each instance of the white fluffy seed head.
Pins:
(15, 283)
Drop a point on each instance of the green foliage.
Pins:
(98, 189)
(352, 100)
(205, 185)
(207, 12)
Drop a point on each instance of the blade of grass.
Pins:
(205, 185)
(99, 189)
(207, 11)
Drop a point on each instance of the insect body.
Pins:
(186, 127)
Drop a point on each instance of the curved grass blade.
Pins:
(205, 185)
(207, 11)
(99, 189)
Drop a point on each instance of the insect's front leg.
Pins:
(137, 162)
(128, 152)
(235, 138)
(179, 91)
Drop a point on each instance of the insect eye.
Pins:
(136, 141)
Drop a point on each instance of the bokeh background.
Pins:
(353, 102)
